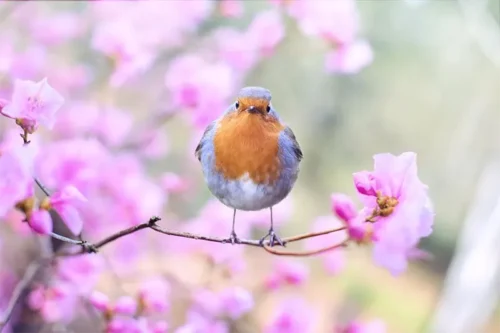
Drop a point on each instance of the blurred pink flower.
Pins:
(16, 169)
(374, 326)
(173, 183)
(76, 162)
(235, 49)
(197, 321)
(349, 58)
(100, 301)
(337, 21)
(236, 302)
(333, 261)
(55, 303)
(29, 63)
(231, 8)
(292, 315)
(65, 202)
(154, 295)
(203, 88)
(56, 29)
(154, 144)
(71, 78)
(81, 271)
(125, 305)
(78, 118)
(34, 103)
(266, 31)
(242, 50)
(405, 213)
(113, 126)
(286, 271)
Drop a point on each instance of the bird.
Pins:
(249, 158)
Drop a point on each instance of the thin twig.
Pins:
(278, 252)
(151, 224)
(43, 188)
(21, 286)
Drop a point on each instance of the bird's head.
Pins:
(254, 100)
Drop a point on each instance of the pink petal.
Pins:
(71, 218)
(125, 305)
(343, 206)
(41, 222)
(99, 300)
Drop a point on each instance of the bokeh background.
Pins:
(433, 87)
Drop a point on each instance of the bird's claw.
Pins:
(273, 239)
(233, 239)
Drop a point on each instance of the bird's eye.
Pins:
(237, 105)
(268, 108)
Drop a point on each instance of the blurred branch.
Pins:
(21, 286)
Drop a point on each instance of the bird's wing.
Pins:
(197, 151)
(295, 145)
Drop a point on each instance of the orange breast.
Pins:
(248, 143)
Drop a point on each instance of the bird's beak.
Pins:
(252, 109)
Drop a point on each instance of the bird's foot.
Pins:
(233, 239)
(273, 239)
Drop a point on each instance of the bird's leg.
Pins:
(233, 238)
(273, 238)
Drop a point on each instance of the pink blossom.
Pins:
(125, 305)
(199, 322)
(154, 295)
(374, 326)
(113, 126)
(349, 58)
(364, 182)
(292, 315)
(76, 162)
(40, 221)
(266, 31)
(65, 202)
(34, 103)
(236, 301)
(286, 271)
(72, 78)
(174, 183)
(122, 42)
(16, 170)
(100, 301)
(191, 85)
(343, 206)
(231, 8)
(235, 49)
(29, 63)
(154, 144)
(160, 326)
(402, 209)
(55, 304)
(336, 21)
(333, 261)
(78, 119)
(82, 271)
(56, 29)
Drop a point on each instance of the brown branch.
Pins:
(21, 286)
(305, 253)
(151, 224)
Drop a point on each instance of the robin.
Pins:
(250, 159)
